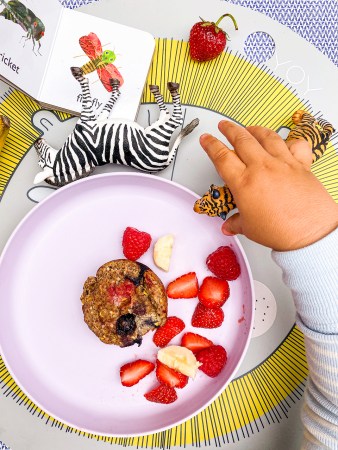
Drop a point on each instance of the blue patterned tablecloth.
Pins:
(314, 20)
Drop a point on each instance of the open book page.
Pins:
(109, 50)
(27, 32)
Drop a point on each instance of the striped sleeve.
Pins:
(312, 275)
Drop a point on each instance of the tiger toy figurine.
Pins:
(316, 132)
(218, 201)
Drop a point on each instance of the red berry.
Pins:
(135, 243)
(131, 373)
(223, 264)
(185, 286)
(170, 377)
(119, 292)
(162, 394)
(207, 317)
(195, 342)
(172, 327)
(213, 360)
(207, 40)
(214, 292)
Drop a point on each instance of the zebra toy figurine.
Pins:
(96, 141)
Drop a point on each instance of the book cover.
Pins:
(41, 41)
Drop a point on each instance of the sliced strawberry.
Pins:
(207, 317)
(170, 377)
(131, 373)
(185, 286)
(162, 394)
(223, 263)
(213, 360)
(168, 331)
(135, 243)
(213, 292)
(195, 342)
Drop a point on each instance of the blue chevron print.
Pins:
(259, 47)
(3, 446)
(74, 4)
(314, 20)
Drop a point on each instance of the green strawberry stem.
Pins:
(231, 17)
(217, 28)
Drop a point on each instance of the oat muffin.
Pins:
(123, 302)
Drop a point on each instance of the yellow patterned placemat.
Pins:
(251, 95)
(250, 402)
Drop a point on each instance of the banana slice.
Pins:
(179, 358)
(162, 251)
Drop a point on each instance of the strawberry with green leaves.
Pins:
(207, 40)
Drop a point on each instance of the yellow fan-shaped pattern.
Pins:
(250, 95)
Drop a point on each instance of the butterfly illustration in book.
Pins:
(100, 60)
(18, 13)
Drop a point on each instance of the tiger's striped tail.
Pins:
(316, 132)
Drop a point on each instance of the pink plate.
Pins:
(51, 353)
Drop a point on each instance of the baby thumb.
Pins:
(301, 150)
(232, 225)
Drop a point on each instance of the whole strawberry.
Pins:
(223, 264)
(207, 40)
(135, 243)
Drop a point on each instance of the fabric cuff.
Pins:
(312, 275)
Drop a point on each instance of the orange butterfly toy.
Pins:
(101, 61)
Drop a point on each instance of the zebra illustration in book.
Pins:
(96, 141)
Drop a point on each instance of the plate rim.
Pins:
(251, 292)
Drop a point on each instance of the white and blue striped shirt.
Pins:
(312, 275)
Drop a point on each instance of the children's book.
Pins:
(40, 41)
